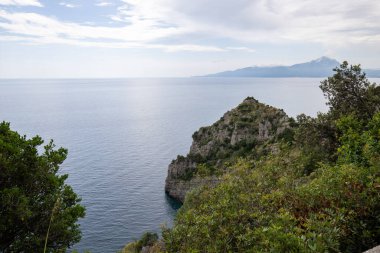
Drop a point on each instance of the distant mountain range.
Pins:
(321, 67)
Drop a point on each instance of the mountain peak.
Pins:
(325, 59)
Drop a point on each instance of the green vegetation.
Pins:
(349, 92)
(148, 239)
(319, 193)
(204, 170)
(38, 210)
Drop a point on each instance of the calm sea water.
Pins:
(122, 134)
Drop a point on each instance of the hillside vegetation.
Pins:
(318, 192)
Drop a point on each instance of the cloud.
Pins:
(104, 4)
(275, 21)
(120, 45)
(34, 28)
(33, 24)
(218, 25)
(21, 3)
(247, 49)
(68, 5)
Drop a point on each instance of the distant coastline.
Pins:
(321, 67)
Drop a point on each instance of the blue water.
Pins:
(122, 134)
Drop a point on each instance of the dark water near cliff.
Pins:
(122, 134)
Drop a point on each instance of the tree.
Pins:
(35, 203)
(349, 92)
(316, 139)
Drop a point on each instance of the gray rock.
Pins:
(180, 168)
(177, 189)
(373, 250)
(249, 125)
(265, 128)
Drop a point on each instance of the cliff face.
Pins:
(249, 130)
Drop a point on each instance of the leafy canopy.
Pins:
(349, 92)
(33, 196)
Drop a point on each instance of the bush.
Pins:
(147, 239)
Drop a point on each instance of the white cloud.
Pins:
(277, 21)
(68, 5)
(175, 25)
(55, 40)
(37, 25)
(21, 3)
(38, 29)
(104, 4)
(247, 49)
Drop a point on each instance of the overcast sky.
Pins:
(171, 38)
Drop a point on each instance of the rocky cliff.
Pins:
(252, 129)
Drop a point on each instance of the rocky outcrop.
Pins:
(177, 188)
(251, 129)
(373, 250)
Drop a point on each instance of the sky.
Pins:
(179, 38)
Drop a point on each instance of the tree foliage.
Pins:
(349, 92)
(33, 195)
(316, 139)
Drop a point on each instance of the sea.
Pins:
(122, 134)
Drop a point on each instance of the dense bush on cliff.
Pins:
(319, 192)
(36, 206)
